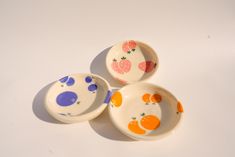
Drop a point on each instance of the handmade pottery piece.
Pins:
(77, 97)
(131, 61)
(144, 111)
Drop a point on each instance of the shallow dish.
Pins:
(77, 97)
(131, 61)
(144, 111)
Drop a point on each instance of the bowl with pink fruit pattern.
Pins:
(131, 61)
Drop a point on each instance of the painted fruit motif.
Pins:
(92, 87)
(66, 98)
(132, 45)
(129, 46)
(180, 107)
(121, 67)
(125, 47)
(146, 98)
(156, 98)
(115, 67)
(150, 122)
(88, 79)
(116, 99)
(147, 66)
(64, 79)
(125, 65)
(69, 81)
(134, 127)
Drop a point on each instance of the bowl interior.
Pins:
(144, 111)
(76, 95)
(131, 61)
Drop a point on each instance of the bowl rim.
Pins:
(125, 82)
(83, 117)
(141, 137)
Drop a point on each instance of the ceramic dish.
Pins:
(144, 111)
(77, 98)
(131, 61)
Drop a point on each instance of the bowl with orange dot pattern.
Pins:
(131, 61)
(145, 111)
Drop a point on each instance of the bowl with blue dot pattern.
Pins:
(77, 97)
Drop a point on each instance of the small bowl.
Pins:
(131, 61)
(144, 111)
(77, 97)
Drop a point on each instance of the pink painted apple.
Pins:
(147, 66)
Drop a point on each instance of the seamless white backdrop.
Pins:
(41, 41)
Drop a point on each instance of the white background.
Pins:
(41, 41)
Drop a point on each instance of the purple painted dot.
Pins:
(70, 82)
(66, 98)
(88, 79)
(92, 87)
(64, 79)
(108, 96)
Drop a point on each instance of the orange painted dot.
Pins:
(156, 98)
(150, 122)
(134, 127)
(146, 98)
(116, 99)
(180, 107)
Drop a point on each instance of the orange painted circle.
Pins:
(180, 107)
(150, 122)
(146, 98)
(116, 99)
(134, 127)
(156, 98)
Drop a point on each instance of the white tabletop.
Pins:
(41, 41)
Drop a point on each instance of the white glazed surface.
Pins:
(86, 106)
(133, 106)
(142, 52)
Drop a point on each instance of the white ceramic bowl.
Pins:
(145, 111)
(77, 97)
(131, 61)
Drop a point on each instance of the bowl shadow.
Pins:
(98, 66)
(38, 106)
(103, 126)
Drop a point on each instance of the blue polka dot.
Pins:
(108, 96)
(70, 82)
(64, 79)
(88, 79)
(66, 98)
(92, 87)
